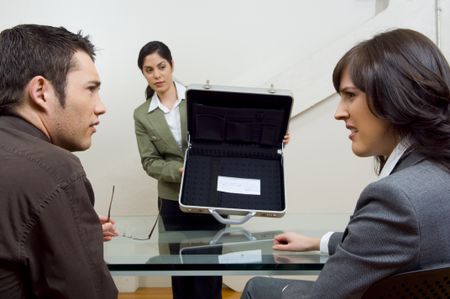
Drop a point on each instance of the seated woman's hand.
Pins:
(295, 242)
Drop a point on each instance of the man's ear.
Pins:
(40, 92)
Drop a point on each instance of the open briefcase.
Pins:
(234, 161)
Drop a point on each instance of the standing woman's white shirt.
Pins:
(172, 115)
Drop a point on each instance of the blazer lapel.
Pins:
(159, 123)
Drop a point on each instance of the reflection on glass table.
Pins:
(235, 250)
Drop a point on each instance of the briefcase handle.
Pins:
(231, 221)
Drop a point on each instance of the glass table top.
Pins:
(244, 249)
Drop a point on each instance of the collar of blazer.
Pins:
(154, 100)
(409, 158)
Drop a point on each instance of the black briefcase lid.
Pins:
(237, 114)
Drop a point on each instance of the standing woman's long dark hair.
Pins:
(148, 49)
(407, 82)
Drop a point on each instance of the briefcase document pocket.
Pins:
(234, 161)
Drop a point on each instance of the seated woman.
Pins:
(395, 95)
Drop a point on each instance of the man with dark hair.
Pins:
(50, 236)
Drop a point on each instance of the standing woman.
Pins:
(160, 126)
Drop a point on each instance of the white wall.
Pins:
(293, 44)
(444, 25)
(244, 43)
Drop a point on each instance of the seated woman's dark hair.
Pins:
(407, 82)
(149, 48)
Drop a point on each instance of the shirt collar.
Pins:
(21, 124)
(394, 157)
(155, 102)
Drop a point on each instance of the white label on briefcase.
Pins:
(239, 185)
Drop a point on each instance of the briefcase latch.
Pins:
(271, 89)
(207, 85)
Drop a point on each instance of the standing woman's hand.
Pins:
(286, 138)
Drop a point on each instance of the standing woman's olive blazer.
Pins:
(161, 157)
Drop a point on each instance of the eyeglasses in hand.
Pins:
(110, 204)
(125, 235)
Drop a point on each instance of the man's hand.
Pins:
(108, 228)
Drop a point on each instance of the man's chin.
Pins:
(76, 147)
(82, 148)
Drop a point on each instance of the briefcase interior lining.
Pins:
(205, 169)
(237, 135)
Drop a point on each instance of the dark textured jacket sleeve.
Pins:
(64, 247)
